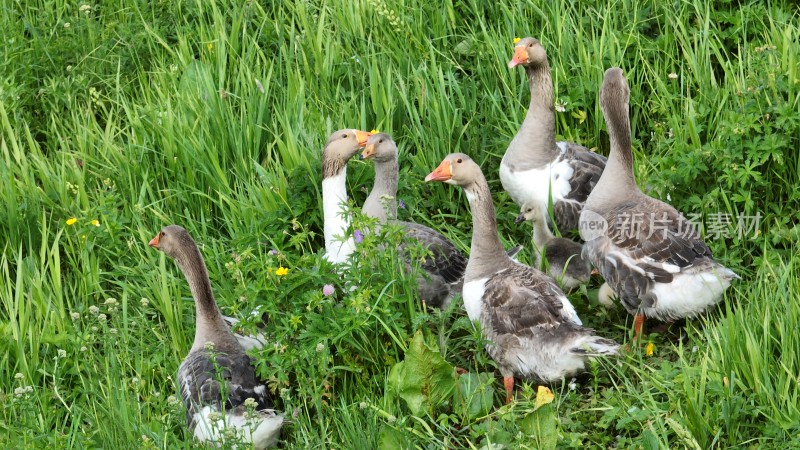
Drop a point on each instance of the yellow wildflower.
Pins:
(374, 131)
(209, 46)
(516, 39)
(281, 271)
(96, 222)
(543, 396)
(648, 351)
(71, 221)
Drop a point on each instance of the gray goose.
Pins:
(340, 147)
(532, 329)
(562, 256)
(536, 168)
(446, 264)
(651, 257)
(216, 356)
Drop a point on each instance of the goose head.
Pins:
(341, 146)
(172, 240)
(456, 168)
(529, 212)
(380, 147)
(528, 52)
(614, 93)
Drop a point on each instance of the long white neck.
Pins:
(334, 202)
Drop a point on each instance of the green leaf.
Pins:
(541, 426)
(424, 379)
(390, 439)
(475, 394)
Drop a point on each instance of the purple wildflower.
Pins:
(327, 290)
(357, 236)
(273, 252)
(401, 204)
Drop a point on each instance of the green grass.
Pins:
(213, 115)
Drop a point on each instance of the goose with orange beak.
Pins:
(532, 328)
(660, 268)
(340, 147)
(444, 267)
(535, 168)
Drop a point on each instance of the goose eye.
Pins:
(459, 160)
(163, 234)
(530, 45)
(380, 142)
(344, 136)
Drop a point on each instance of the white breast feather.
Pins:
(472, 293)
(534, 185)
(334, 197)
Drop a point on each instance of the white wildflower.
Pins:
(67, 24)
(572, 385)
(83, 348)
(94, 309)
(213, 416)
(112, 330)
(672, 76)
(18, 376)
(250, 403)
(111, 301)
(172, 400)
(21, 391)
(362, 405)
(145, 302)
(94, 329)
(102, 317)
(320, 347)
(75, 316)
(85, 8)
(62, 353)
(209, 346)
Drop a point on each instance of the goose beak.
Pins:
(520, 57)
(441, 173)
(520, 218)
(362, 137)
(154, 242)
(369, 151)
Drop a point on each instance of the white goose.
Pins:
(651, 257)
(341, 146)
(532, 329)
(536, 168)
(217, 364)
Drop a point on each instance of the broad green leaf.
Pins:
(540, 425)
(475, 394)
(424, 379)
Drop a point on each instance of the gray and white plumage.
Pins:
(535, 168)
(532, 328)
(444, 267)
(557, 256)
(652, 258)
(217, 381)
